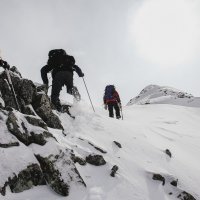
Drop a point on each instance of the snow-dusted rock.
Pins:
(96, 160)
(25, 131)
(60, 171)
(42, 107)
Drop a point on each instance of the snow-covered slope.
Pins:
(154, 94)
(144, 134)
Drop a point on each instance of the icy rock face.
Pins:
(28, 97)
(40, 159)
(42, 107)
(154, 94)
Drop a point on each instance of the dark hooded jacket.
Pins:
(66, 63)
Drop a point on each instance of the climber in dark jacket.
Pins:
(62, 67)
(112, 101)
(4, 64)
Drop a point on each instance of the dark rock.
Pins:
(41, 88)
(36, 122)
(31, 176)
(28, 110)
(26, 93)
(185, 196)
(97, 148)
(174, 183)
(13, 144)
(118, 144)
(167, 151)
(159, 177)
(6, 91)
(114, 170)
(8, 108)
(77, 159)
(3, 189)
(25, 90)
(37, 138)
(42, 107)
(96, 160)
(26, 179)
(60, 171)
(53, 176)
(16, 71)
(24, 136)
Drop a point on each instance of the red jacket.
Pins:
(115, 98)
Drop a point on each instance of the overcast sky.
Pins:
(128, 43)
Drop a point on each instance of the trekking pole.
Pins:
(88, 94)
(121, 112)
(12, 89)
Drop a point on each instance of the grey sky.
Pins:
(99, 34)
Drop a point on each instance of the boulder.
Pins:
(96, 160)
(185, 196)
(19, 126)
(60, 171)
(27, 178)
(159, 177)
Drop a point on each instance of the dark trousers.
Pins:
(60, 79)
(111, 107)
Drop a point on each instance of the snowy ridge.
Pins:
(145, 135)
(154, 94)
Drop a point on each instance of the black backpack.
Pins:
(57, 58)
(109, 91)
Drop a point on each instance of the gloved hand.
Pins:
(105, 106)
(81, 74)
(120, 105)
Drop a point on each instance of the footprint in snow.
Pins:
(96, 193)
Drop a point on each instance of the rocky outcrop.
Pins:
(20, 127)
(27, 96)
(96, 160)
(77, 159)
(60, 171)
(52, 176)
(42, 107)
(27, 132)
(185, 196)
(172, 184)
(26, 179)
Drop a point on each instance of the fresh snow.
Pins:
(145, 133)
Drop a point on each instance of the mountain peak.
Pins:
(154, 94)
